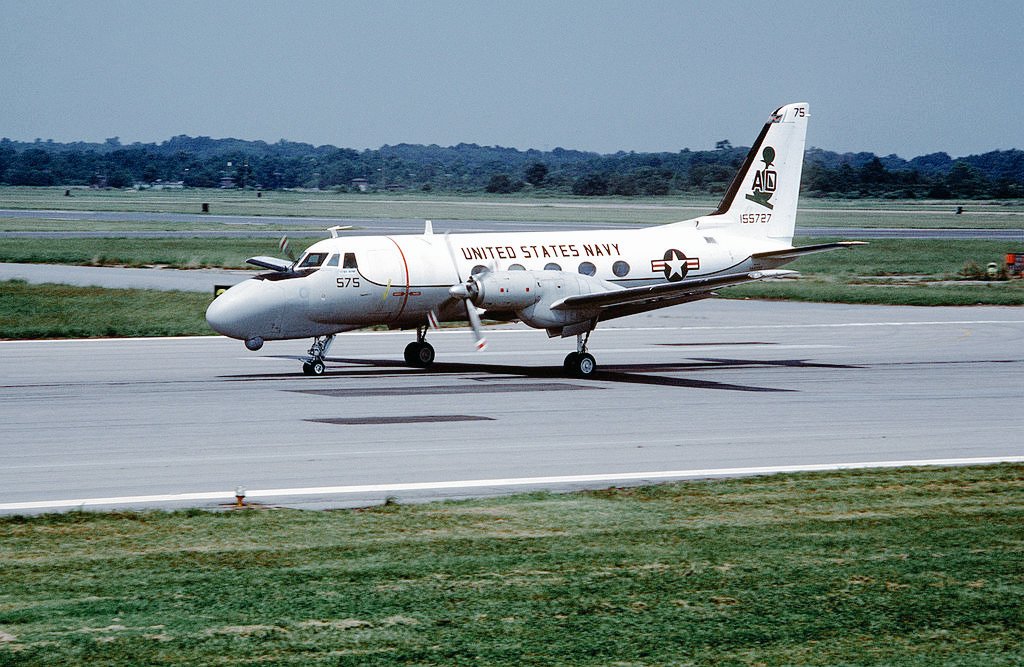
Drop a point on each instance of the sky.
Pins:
(893, 76)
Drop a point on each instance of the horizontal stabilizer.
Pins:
(688, 286)
(792, 253)
(272, 263)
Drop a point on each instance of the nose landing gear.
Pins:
(317, 351)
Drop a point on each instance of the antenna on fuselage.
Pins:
(428, 229)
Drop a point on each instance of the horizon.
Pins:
(121, 144)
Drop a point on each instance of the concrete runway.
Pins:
(705, 389)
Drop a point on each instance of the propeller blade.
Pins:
(474, 322)
(464, 291)
(451, 254)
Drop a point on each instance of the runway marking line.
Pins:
(500, 482)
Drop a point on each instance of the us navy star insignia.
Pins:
(675, 265)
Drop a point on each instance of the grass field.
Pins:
(893, 567)
(64, 311)
(813, 212)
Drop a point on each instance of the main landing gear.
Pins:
(419, 354)
(317, 351)
(580, 363)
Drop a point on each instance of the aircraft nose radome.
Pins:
(241, 312)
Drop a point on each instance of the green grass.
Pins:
(935, 258)
(924, 272)
(64, 311)
(885, 567)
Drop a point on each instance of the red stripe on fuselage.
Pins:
(405, 265)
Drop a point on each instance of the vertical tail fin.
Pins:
(761, 200)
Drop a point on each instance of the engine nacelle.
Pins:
(529, 295)
(505, 290)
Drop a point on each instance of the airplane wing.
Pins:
(627, 301)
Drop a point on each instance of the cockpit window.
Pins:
(312, 260)
(333, 261)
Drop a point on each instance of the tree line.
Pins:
(204, 162)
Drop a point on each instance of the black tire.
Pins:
(584, 366)
(307, 368)
(412, 352)
(425, 355)
(570, 362)
(317, 368)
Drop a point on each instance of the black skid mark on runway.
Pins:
(665, 381)
(762, 363)
(382, 421)
(713, 344)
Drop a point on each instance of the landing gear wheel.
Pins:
(583, 365)
(419, 355)
(411, 353)
(570, 361)
(315, 367)
(317, 352)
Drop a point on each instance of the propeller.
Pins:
(466, 291)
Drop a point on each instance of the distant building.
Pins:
(361, 184)
(227, 182)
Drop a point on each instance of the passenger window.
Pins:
(551, 266)
(516, 267)
(587, 268)
(350, 261)
(333, 261)
(620, 269)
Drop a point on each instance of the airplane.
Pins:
(565, 282)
